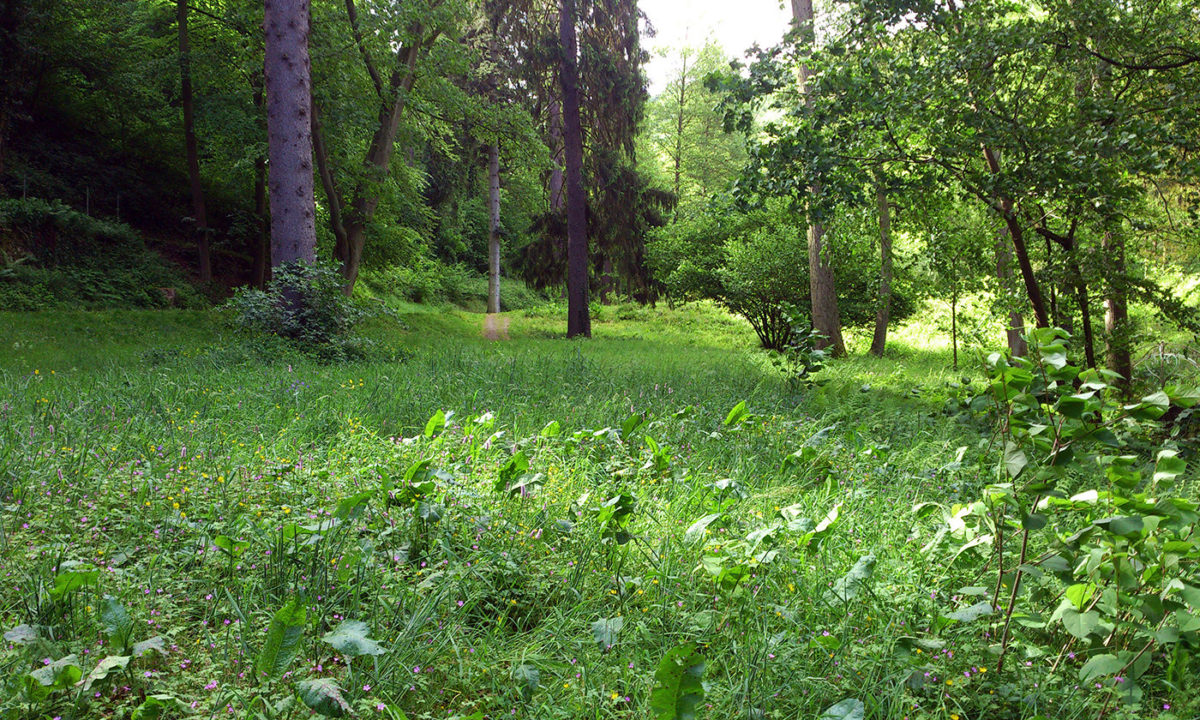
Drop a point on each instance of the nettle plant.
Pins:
(1088, 534)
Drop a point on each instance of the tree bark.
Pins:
(1116, 306)
(260, 239)
(1016, 234)
(682, 99)
(882, 315)
(289, 136)
(579, 321)
(199, 214)
(493, 304)
(821, 285)
(558, 200)
(1016, 324)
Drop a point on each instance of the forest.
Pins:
(476, 359)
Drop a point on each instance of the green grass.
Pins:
(134, 442)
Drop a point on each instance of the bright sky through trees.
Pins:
(735, 25)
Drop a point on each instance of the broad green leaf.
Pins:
(606, 630)
(1080, 594)
(323, 696)
(74, 579)
(283, 641)
(58, 675)
(118, 627)
(1080, 624)
(22, 635)
(848, 709)
(1125, 526)
(110, 665)
(738, 414)
(678, 684)
(1100, 666)
(848, 586)
(552, 429)
(352, 506)
(155, 705)
(696, 530)
(528, 677)
(437, 423)
(1014, 459)
(515, 467)
(155, 643)
(350, 638)
(1169, 466)
(972, 612)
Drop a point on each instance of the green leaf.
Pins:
(1014, 459)
(738, 414)
(110, 665)
(515, 467)
(72, 580)
(283, 641)
(678, 684)
(1125, 526)
(528, 677)
(350, 639)
(118, 627)
(606, 630)
(1080, 594)
(695, 531)
(323, 696)
(1169, 465)
(1080, 624)
(848, 586)
(631, 425)
(22, 635)
(351, 507)
(155, 705)
(155, 643)
(972, 612)
(552, 429)
(437, 423)
(1100, 666)
(848, 709)
(230, 547)
(58, 675)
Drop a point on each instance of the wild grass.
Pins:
(208, 479)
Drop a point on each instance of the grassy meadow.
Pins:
(199, 524)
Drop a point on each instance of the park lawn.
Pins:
(588, 506)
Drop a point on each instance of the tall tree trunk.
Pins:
(260, 239)
(681, 99)
(1016, 234)
(822, 289)
(199, 214)
(883, 314)
(349, 217)
(493, 303)
(558, 200)
(579, 321)
(1116, 316)
(1015, 331)
(289, 139)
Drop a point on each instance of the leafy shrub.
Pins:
(304, 304)
(755, 263)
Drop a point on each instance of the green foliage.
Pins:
(1089, 521)
(54, 257)
(304, 304)
(678, 684)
